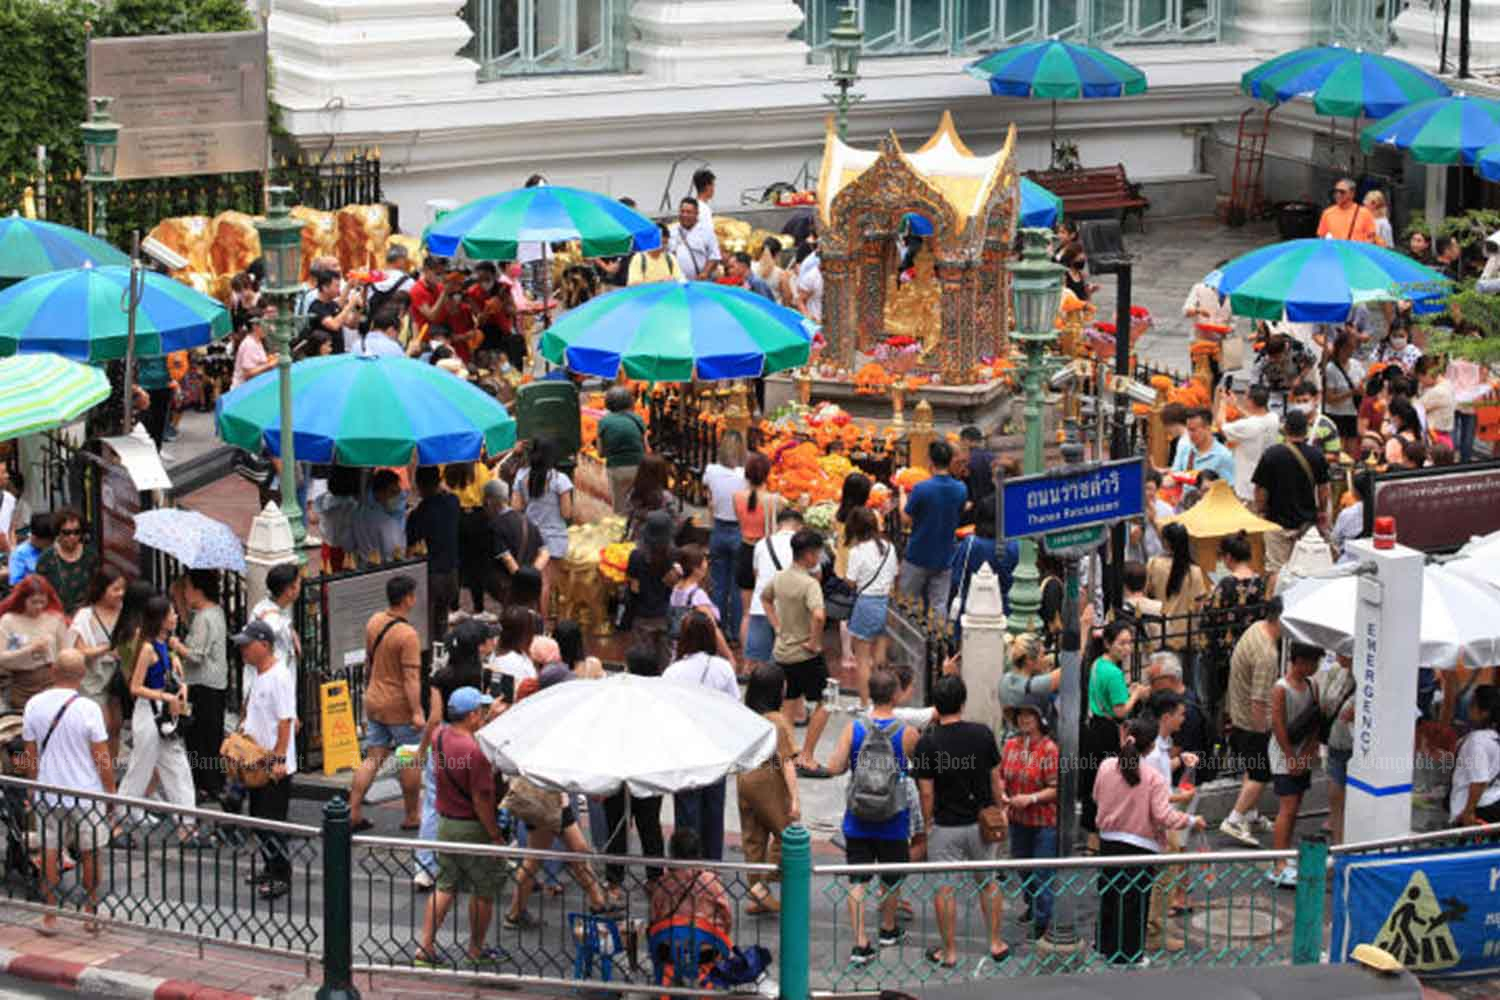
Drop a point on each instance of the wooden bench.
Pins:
(1095, 191)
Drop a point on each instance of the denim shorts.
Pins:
(759, 639)
(379, 734)
(868, 620)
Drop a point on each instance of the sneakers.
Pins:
(1239, 831)
(893, 937)
(1265, 825)
(862, 956)
(1284, 879)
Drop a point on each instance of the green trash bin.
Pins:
(550, 409)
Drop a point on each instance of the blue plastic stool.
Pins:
(594, 938)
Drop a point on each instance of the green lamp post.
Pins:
(281, 247)
(101, 146)
(1037, 283)
(845, 43)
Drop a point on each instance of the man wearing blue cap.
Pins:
(466, 814)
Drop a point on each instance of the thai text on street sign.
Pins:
(340, 737)
(1058, 501)
(186, 104)
(1074, 541)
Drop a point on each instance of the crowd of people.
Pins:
(1184, 680)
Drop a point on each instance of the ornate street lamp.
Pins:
(1037, 282)
(281, 248)
(845, 43)
(101, 145)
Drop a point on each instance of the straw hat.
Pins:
(1376, 959)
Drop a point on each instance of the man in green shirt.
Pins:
(622, 443)
(1322, 432)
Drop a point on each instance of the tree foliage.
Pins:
(42, 71)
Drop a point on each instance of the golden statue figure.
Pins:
(915, 309)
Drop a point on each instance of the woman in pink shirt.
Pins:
(1135, 812)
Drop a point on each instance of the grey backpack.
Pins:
(877, 789)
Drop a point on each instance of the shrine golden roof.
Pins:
(1220, 513)
(943, 161)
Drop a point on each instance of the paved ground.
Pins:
(1169, 260)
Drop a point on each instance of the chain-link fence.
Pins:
(881, 926)
(195, 873)
(511, 915)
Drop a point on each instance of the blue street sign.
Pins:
(1435, 911)
(1057, 501)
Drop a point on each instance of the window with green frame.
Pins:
(536, 37)
(968, 27)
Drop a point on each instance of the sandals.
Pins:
(489, 956)
(365, 823)
(999, 956)
(1179, 911)
(816, 772)
(521, 921)
(935, 956)
(273, 888)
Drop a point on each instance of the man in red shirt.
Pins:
(466, 814)
(435, 299)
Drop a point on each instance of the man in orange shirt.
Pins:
(1346, 218)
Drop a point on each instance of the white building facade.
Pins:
(628, 97)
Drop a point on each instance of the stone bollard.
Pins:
(270, 544)
(984, 648)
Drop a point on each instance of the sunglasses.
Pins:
(71, 532)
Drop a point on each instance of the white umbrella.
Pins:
(193, 539)
(1459, 618)
(652, 735)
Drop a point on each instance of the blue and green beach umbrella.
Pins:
(82, 313)
(368, 412)
(1441, 130)
(29, 247)
(493, 227)
(1343, 83)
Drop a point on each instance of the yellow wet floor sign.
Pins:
(340, 737)
(1416, 931)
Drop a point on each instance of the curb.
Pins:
(94, 981)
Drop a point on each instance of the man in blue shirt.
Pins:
(23, 559)
(1202, 450)
(933, 510)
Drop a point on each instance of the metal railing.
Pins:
(537, 37)
(654, 915)
(148, 878)
(1131, 22)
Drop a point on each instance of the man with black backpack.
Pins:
(877, 812)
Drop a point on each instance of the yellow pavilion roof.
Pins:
(1220, 513)
(964, 180)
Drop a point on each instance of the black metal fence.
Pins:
(326, 184)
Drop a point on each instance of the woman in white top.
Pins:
(546, 496)
(90, 634)
(723, 479)
(1375, 202)
(1475, 798)
(504, 674)
(871, 572)
(702, 809)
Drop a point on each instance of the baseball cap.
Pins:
(255, 631)
(465, 700)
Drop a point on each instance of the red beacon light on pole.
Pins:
(1385, 532)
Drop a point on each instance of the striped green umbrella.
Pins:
(29, 247)
(1320, 281)
(1057, 70)
(1442, 130)
(1343, 83)
(672, 331)
(492, 228)
(42, 391)
(81, 313)
(366, 411)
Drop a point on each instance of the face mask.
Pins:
(1307, 408)
(1398, 343)
(394, 505)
